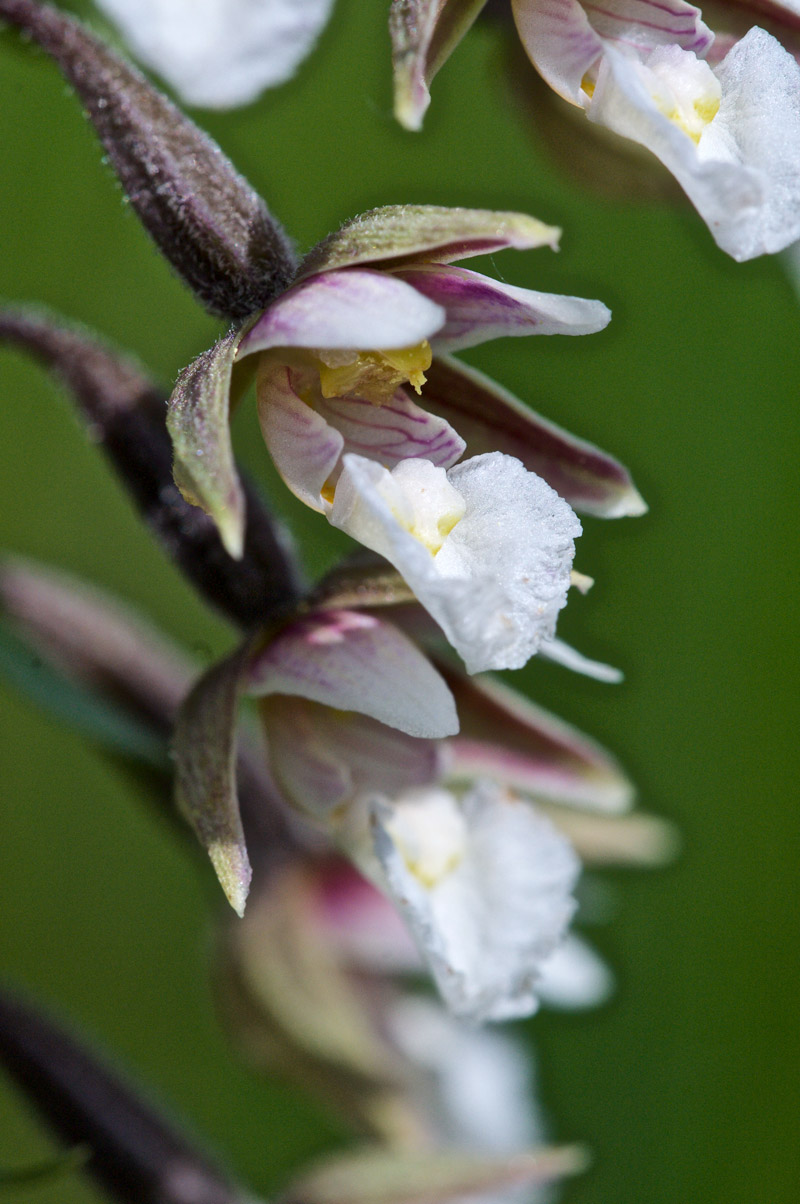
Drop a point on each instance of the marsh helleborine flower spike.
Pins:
(335, 350)
(724, 118)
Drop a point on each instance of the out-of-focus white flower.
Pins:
(480, 1078)
(574, 977)
(487, 547)
(485, 884)
(220, 53)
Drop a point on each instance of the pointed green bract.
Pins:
(424, 34)
(198, 421)
(205, 757)
(396, 234)
(391, 1177)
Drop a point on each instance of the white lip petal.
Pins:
(743, 173)
(485, 886)
(481, 1079)
(220, 53)
(501, 575)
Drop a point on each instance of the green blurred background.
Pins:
(685, 1085)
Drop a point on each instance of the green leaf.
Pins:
(43, 1174)
(77, 705)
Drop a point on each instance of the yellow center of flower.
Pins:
(373, 375)
(430, 835)
(682, 87)
(694, 118)
(423, 501)
(685, 89)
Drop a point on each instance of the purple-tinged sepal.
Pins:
(424, 33)
(506, 737)
(437, 1177)
(398, 235)
(356, 662)
(479, 309)
(203, 216)
(341, 310)
(198, 420)
(489, 418)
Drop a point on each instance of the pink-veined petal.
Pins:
(358, 308)
(490, 418)
(564, 39)
(507, 737)
(479, 308)
(560, 42)
(306, 433)
(323, 757)
(304, 447)
(356, 662)
(399, 234)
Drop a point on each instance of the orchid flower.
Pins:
(360, 735)
(338, 339)
(219, 53)
(340, 354)
(728, 128)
